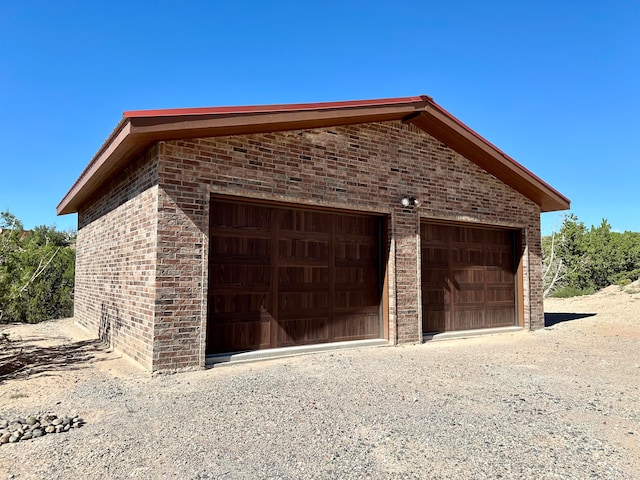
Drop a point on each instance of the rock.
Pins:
(34, 426)
(15, 426)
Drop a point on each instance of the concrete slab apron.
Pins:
(272, 353)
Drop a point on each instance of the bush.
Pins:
(628, 276)
(37, 270)
(566, 292)
(588, 258)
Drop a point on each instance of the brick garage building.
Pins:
(209, 231)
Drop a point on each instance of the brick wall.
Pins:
(116, 260)
(142, 240)
(180, 310)
(362, 167)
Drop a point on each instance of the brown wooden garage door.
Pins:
(290, 276)
(468, 277)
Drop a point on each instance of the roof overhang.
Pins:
(140, 129)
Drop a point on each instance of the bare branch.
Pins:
(38, 271)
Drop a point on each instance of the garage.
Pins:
(283, 276)
(468, 277)
(249, 228)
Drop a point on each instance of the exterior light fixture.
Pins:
(409, 202)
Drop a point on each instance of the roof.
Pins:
(141, 128)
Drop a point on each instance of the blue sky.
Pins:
(556, 85)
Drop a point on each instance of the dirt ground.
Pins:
(588, 355)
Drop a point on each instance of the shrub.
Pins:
(36, 272)
(566, 292)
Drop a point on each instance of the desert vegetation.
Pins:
(578, 260)
(36, 272)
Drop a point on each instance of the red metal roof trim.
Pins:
(293, 107)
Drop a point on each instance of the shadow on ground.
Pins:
(22, 359)
(551, 319)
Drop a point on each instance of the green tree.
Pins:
(572, 250)
(583, 260)
(36, 272)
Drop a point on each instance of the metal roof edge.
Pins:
(274, 108)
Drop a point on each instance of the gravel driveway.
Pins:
(562, 402)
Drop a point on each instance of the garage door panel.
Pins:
(243, 260)
(356, 264)
(500, 295)
(356, 299)
(435, 275)
(295, 303)
(288, 290)
(468, 295)
(499, 258)
(245, 335)
(303, 249)
(242, 216)
(500, 276)
(245, 276)
(239, 301)
(471, 257)
(355, 324)
(436, 319)
(468, 277)
(434, 255)
(304, 277)
(226, 244)
(468, 318)
(354, 274)
(306, 221)
(433, 297)
(354, 282)
(355, 253)
(248, 330)
(294, 275)
(365, 226)
(302, 331)
(469, 235)
(498, 317)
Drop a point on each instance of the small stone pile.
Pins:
(35, 426)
